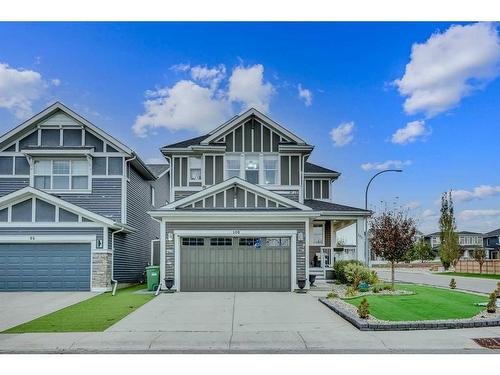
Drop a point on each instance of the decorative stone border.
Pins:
(367, 325)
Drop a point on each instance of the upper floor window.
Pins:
(271, 170)
(61, 174)
(252, 168)
(195, 169)
(233, 166)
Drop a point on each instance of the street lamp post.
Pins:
(367, 253)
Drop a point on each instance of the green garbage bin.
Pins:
(153, 277)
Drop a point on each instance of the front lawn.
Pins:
(92, 315)
(465, 274)
(427, 303)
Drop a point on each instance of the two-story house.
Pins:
(467, 240)
(248, 212)
(73, 205)
(491, 243)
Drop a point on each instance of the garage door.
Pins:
(44, 267)
(235, 264)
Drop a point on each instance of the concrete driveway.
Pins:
(21, 307)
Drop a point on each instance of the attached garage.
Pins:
(222, 263)
(45, 266)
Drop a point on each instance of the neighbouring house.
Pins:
(73, 206)
(248, 212)
(467, 240)
(491, 243)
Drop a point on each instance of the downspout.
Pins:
(170, 180)
(115, 283)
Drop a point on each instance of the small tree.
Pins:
(453, 284)
(491, 307)
(479, 256)
(392, 235)
(449, 250)
(422, 250)
(363, 309)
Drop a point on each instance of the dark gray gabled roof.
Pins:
(493, 233)
(188, 142)
(464, 232)
(158, 169)
(329, 206)
(314, 168)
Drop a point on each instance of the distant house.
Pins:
(491, 243)
(467, 240)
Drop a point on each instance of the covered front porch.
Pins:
(333, 239)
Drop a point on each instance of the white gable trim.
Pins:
(217, 133)
(238, 182)
(29, 192)
(59, 106)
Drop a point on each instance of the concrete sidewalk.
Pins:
(472, 284)
(243, 323)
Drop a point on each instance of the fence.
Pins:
(491, 266)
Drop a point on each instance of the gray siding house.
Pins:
(73, 206)
(491, 243)
(248, 212)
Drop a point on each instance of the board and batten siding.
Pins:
(132, 251)
(105, 199)
(298, 226)
(9, 185)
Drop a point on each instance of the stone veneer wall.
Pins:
(101, 270)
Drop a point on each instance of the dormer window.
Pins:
(61, 174)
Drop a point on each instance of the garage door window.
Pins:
(278, 242)
(221, 241)
(248, 241)
(193, 241)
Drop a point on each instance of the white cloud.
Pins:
(247, 86)
(55, 82)
(479, 192)
(385, 165)
(472, 214)
(449, 66)
(343, 134)
(410, 133)
(186, 105)
(203, 101)
(412, 205)
(428, 213)
(19, 89)
(305, 94)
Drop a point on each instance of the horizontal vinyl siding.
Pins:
(132, 251)
(104, 200)
(182, 194)
(52, 231)
(8, 185)
(299, 227)
(293, 195)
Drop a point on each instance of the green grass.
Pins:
(427, 303)
(465, 274)
(92, 315)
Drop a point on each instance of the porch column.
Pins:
(163, 241)
(361, 251)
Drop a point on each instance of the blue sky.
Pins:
(176, 80)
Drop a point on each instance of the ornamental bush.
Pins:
(453, 284)
(363, 311)
(351, 291)
(338, 268)
(491, 307)
(331, 295)
(356, 273)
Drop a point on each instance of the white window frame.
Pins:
(322, 224)
(152, 190)
(70, 175)
(229, 157)
(275, 157)
(190, 158)
(256, 156)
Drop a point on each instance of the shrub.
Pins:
(453, 284)
(498, 289)
(387, 287)
(338, 269)
(356, 273)
(373, 279)
(351, 291)
(377, 289)
(363, 311)
(331, 295)
(491, 307)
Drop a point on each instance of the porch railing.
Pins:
(328, 256)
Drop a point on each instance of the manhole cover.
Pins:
(490, 343)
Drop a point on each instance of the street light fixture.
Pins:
(367, 253)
